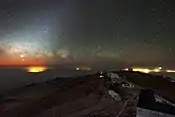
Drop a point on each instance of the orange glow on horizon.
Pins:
(22, 62)
(36, 69)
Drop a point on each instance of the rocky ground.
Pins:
(86, 96)
(81, 97)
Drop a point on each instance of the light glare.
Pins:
(36, 69)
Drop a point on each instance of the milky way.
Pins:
(88, 32)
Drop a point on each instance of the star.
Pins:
(46, 30)
(154, 9)
(165, 26)
(23, 60)
(170, 49)
(126, 39)
(98, 46)
(154, 38)
(54, 32)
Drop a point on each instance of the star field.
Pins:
(89, 32)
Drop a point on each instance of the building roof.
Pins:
(147, 101)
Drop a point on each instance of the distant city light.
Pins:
(156, 70)
(77, 68)
(170, 71)
(146, 70)
(83, 68)
(126, 69)
(159, 68)
(36, 69)
(142, 70)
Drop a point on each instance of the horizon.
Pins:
(41, 40)
(20, 76)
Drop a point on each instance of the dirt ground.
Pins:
(83, 97)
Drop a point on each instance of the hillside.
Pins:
(83, 96)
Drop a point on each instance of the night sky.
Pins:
(95, 33)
